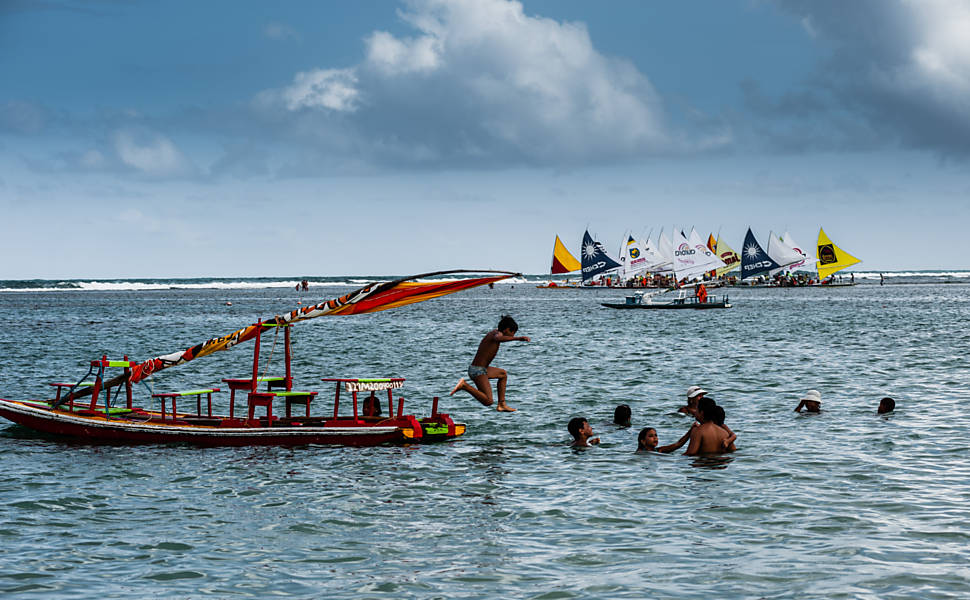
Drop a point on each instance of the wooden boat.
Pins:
(639, 300)
(111, 414)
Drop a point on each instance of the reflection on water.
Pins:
(717, 461)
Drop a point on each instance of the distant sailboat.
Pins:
(806, 262)
(728, 256)
(562, 260)
(754, 260)
(783, 254)
(595, 260)
(692, 258)
(831, 258)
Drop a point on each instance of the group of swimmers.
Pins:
(707, 435)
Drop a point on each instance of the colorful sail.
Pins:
(562, 260)
(728, 256)
(831, 258)
(754, 260)
(374, 297)
(595, 259)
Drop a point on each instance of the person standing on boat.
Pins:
(480, 372)
(701, 293)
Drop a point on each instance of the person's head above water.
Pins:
(812, 401)
(717, 415)
(647, 439)
(507, 323)
(705, 408)
(622, 415)
(886, 405)
(576, 426)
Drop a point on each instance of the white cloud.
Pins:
(149, 153)
(482, 81)
(333, 89)
(280, 31)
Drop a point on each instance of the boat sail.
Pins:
(692, 258)
(783, 254)
(595, 260)
(562, 260)
(806, 261)
(633, 258)
(831, 258)
(754, 260)
(728, 256)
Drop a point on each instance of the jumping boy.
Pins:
(480, 371)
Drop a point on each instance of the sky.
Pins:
(244, 138)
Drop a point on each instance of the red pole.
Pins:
(390, 403)
(336, 401)
(289, 378)
(355, 405)
(434, 407)
(259, 332)
(128, 383)
(400, 407)
(97, 382)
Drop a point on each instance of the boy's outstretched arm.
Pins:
(501, 337)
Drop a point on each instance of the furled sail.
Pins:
(562, 259)
(595, 258)
(373, 297)
(754, 260)
(831, 258)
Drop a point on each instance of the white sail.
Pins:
(692, 257)
(656, 263)
(807, 262)
(665, 248)
(782, 253)
(634, 262)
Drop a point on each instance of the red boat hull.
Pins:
(97, 428)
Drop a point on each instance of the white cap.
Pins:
(695, 390)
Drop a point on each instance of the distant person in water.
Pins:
(622, 416)
(886, 405)
(582, 432)
(708, 437)
(811, 402)
(480, 372)
(694, 394)
(647, 441)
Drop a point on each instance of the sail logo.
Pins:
(763, 264)
(594, 266)
(634, 253)
(729, 258)
(826, 254)
(684, 250)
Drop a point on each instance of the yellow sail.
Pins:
(727, 254)
(562, 260)
(831, 258)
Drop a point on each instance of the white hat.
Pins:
(695, 390)
(813, 395)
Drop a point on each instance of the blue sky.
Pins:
(229, 139)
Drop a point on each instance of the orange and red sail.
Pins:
(374, 297)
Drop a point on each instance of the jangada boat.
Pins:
(640, 300)
(98, 408)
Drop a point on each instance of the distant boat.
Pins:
(562, 262)
(642, 300)
(595, 260)
(831, 258)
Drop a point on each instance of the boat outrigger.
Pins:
(111, 414)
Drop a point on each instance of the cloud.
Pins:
(281, 32)
(902, 66)
(480, 83)
(150, 153)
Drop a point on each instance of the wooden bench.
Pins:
(165, 396)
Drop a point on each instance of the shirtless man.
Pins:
(706, 438)
(480, 371)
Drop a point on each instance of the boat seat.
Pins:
(291, 398)
(164, 397)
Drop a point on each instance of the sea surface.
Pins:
(843, 504)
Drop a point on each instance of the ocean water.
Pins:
(844, 504)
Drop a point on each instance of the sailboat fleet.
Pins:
(682, 258)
